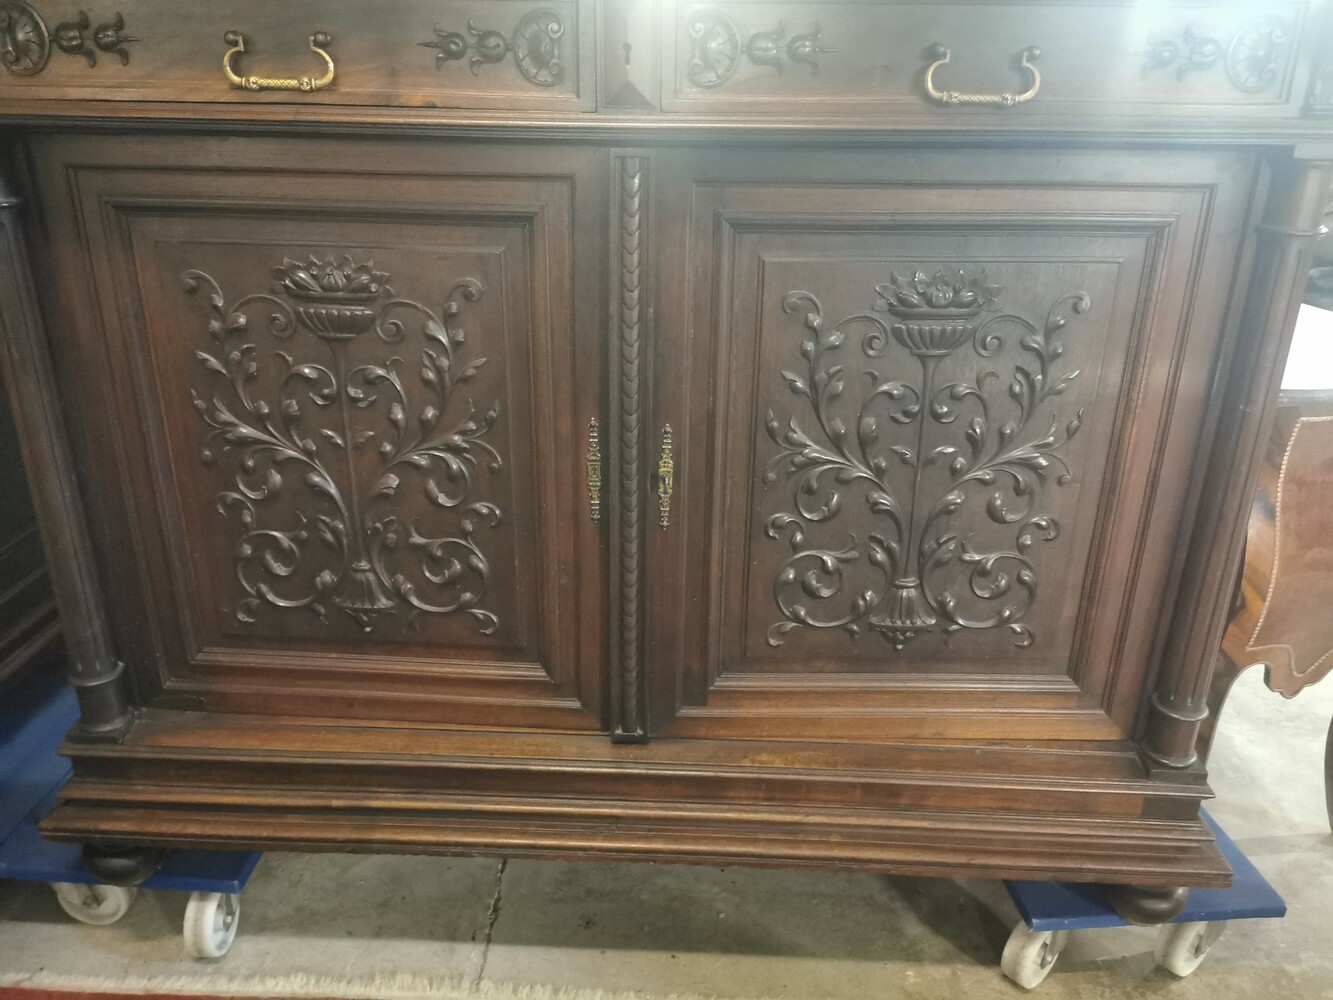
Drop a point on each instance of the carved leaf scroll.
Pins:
(1006, 449)
(339, 541)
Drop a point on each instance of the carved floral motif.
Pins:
(1253, 59)
(536, 47)
(71, 38)
(1197, 52)
(717, 47)
(934, 579)
(25, 44)
(340, 541)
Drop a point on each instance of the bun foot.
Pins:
(120, 865)
(1147, 905)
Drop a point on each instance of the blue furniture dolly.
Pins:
(1052, 910)
(34, 717)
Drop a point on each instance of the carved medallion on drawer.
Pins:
(718, 46)
(25, 44)
(535, 45)
(25, 41)
(337, 542)
(1254, 58)
(934, 579)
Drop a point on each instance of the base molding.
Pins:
(1080, 812)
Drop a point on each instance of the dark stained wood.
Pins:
(388, 473)
(799, 407)
(484, 55)
(92, 664)
(980, 384)
(1292, 222)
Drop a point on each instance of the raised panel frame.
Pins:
(1193, 222)
(348, 184)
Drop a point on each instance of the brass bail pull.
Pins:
(953, 98)
(319, 42)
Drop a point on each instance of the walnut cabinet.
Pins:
(654, 430)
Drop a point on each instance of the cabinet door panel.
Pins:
(345, 397)
(933, 436)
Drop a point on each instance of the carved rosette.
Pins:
(318, 532)
(933, 577)
(536, 46)
(1253, 59)
(1255, 56)
(25, 44)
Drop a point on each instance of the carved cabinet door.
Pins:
(931, 421)
(330, 401)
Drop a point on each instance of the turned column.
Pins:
(25, 358)
(1248, 386)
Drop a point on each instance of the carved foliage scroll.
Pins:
(536, 45)
(320, 452)
(1253, 58)
(718, 46)
(962, 450)
(26, 43)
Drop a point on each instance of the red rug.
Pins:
(23, 993)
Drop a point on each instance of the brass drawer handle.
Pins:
(952, 98)
(666, 479)
(594, 470)
(319, 41)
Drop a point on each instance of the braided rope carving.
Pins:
(631, 482)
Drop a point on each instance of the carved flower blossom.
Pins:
(942, 292)
(321, 278)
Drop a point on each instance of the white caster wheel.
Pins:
(1030, 955)
(1181, 947)
(93, 904)
(210, 923)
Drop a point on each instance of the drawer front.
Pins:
(469, 54)
(848, 57)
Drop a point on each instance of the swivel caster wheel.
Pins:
(1030, 955)
(93, 904)
(1181, 948)
(211, 919)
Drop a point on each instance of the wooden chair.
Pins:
(1283, 616)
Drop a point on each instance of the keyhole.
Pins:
(628, 49)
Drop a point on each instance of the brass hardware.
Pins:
(594, 470)
(319, 41)
(953, 98)
(666, 479)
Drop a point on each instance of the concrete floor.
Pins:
(400, 927)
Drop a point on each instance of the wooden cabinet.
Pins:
(736, 433)
(341, 412)
(928, 435)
